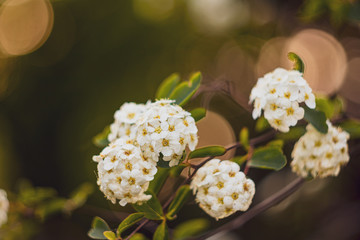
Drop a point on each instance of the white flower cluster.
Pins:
(4, 207)
(320, 155)
(279, 93)
(124, 173)
(221, 189)
(140, 135)
(125, 121)
(166, 129)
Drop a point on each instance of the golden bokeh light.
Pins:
(324, 57)
(24, 25)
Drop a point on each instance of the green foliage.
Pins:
(100, 140)
(239, 159)
(191, 228)
(110, 235)
(270, 157)
(50, 207)
(261, 124)
(180, 199)
(244, 137)
(351, 126)
(128, 222)
(159, 180)
(207, 152)
(161, 232)
(185, 90)
(198, 113)
(317, 119)
(276, 143)
(167, 86)
(152, 208)
(293, 135)
(98, 227)
(138, 236)
(331, 107)
(176, 171)
(298, 63)
(78, 197)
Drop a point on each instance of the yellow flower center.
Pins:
(220, 185)
(128, 166)
(290, 111)
(131, 115)
(165, 142)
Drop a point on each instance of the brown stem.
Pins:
(137, 229)
(248, 159)
(256, 210)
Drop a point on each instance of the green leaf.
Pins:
(198, 113)
(239, 159)
(98, 227)
(276, 143)
(298, 63)
(293, 135)
(268, 158)
(159, 180)
(110, 235)
(185, 90)
(78, 197)
(167, 86)
(180, 198)
(101, 139)
(207, 152)
(244, 137)
(50, 207)
(138, 236)
(161, 232)
(261, 124)
(325, 105)
(176, 171)
(152, 208)
(128, 222)
(317, 119)
(352, 127)
(191, 228)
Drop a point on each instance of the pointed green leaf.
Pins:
(325, 105)
(98, 227)
(198, 113)
(138, 236)
(210, 151)
(167, 86)
(152, 208)
(176, 171)
(268, 158)
(159, 180)
(180, 198)
(185, 90)
(191, 228)
(161, 232)
(298, 63)
(244, 137)
(239, 159)
(317, 119)
(293, 135)
(261, 124)
(101, 139)
(351, 126)
(276, 143)
(128, 222)
(110, 235)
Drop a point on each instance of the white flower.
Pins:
(320, 155)
(279, 93)
(165, 128)
(222, 189)
(125, 121)
(4, 207)
(124, 173)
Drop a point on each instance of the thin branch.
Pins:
(137, 229)
(256, 210)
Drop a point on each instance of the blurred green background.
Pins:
(66, 66)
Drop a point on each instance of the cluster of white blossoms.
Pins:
(4, 207)
(166, 129)
(279, 93)
(123, 172)
(320, 155)
(140, 135)
(125, 121)
(222, 189)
